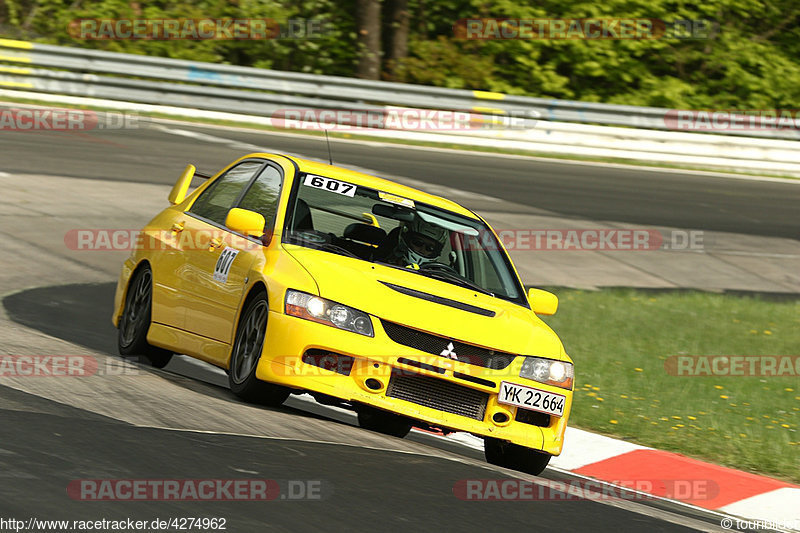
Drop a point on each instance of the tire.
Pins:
(135, 321)
(513, 456)
(245, 354)
(383, 421)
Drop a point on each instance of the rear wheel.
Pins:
(135, 320)
(246, 353)
(383, 421)
(508, 455)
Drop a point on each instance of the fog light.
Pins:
(373, 384)
(500, 418)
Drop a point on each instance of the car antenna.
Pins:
(328, 142)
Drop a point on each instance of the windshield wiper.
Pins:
(337, 249)
(327, 246)
(444, 275)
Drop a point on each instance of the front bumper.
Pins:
(375, 374)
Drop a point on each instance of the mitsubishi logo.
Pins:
(449, 351)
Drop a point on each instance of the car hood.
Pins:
(366, 286)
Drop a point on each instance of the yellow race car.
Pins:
(296, 276)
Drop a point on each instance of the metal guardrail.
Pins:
(262, 92)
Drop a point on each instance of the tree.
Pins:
(368, 22)
(396, 28)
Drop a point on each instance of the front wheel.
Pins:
(383, 421)
(135, 320)
(246, 353)
(514, 456)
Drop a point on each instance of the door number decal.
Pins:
(223, 266)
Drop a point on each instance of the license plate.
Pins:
(533, 399)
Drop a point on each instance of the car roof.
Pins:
(380, 184)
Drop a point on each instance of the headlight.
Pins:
(318, 309)
(548, 371)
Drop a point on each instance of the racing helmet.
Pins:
(420, 242)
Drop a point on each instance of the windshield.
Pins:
(374, 226)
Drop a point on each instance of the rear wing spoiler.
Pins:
(181, 187)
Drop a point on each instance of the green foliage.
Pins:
(751, 62)
(621, 341)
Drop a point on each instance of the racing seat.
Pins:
(361, 239)
(364, 233)
(387, 246)
(302, 217)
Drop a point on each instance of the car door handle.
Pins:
(215, 243)
(177, 227)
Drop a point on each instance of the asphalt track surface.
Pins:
(44, 444)
(360, 488)
(595, 192)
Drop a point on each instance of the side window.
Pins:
(215, 202)
(262, 196)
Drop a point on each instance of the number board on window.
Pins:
(330, 185)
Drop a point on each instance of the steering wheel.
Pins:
(438, 266)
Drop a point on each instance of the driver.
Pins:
(419, 242)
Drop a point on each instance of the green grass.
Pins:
(408, 142)
(620, 339)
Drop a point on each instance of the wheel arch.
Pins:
(259, 287)
(124, 293)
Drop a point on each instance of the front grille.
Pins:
(438, 394)
(433, 344)
(534, 418)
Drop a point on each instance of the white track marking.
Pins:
(446, 192)
(213, 139)
(582, 448)
(471, 153)
(780, 505)
(239, 145)
(433, 189)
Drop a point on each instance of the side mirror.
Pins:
(245, 222)
(178, 193)
(542, 302)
